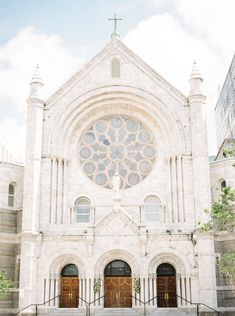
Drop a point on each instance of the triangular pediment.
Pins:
(115, 222)
(114, 48)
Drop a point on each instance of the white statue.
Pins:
(116, 182)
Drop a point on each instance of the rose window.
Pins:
(117, 143)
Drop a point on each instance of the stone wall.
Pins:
(10, 227)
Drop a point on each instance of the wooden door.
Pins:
(166, 291)
(69, 292)
(117, 291)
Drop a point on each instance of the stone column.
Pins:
(206, 269)
(32, 173)
(201, 173)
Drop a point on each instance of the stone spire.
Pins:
(195, 80)
(35, 84)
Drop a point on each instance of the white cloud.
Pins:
(18, 58)
(195, 29)
(13, 137)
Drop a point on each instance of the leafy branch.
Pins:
(5, 285)
(226, 265)
(229, 152)
(222, 213)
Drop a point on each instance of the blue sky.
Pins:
(76, 21)
(61, 35)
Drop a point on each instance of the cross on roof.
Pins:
(115, 19)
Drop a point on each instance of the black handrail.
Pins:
(89, 303)
(198, 304)
(184, 299)
(142, 302)
(36, 305)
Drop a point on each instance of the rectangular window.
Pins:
(82, 214)
(11, 200)
(152, 213)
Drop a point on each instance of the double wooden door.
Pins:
(166, 291)
(69, 292)
(117, 291)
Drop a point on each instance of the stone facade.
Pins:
(10, 227)
(117, 85)
(225, 108)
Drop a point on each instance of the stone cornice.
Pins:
(223, 236)
(10, 238)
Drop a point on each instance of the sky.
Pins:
(61, 35)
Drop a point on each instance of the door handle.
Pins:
(166, 296)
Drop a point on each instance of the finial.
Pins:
(195, 72)
(195, 80)
(35, 84)
(36, 76)
(115, 19)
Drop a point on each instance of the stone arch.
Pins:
(180, 264)
(60, 262)
(112, 255)
(106, 98)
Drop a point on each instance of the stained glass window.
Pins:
(117, 268)
(117, 143)
(166, 269)
(70, 270)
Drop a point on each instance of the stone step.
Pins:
(173, 312)
(53, 311)
(116, 312)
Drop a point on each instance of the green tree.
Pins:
(222, 213)
(5, 285)
(230, 151)
(223, 219)
(226, 265)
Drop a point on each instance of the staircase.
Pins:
(61, 312)
(173, 312)
(117, 312)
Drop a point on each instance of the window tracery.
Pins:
(117, 143)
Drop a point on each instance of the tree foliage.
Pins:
(226, 265)
(5, 285)
(222, 213)
(230, 151)
(223, 219)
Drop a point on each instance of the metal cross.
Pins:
(115, 19)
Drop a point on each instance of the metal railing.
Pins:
(198, 306)
(178, 296)
(36, 305)
(88, 304)
(144, 302)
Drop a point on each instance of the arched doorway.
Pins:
(69, 286)
(166, 286)
(117, 284)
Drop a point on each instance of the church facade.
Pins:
(104, 214)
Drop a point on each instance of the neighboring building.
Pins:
(225, 108)
(223, 174)
(116, 179)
